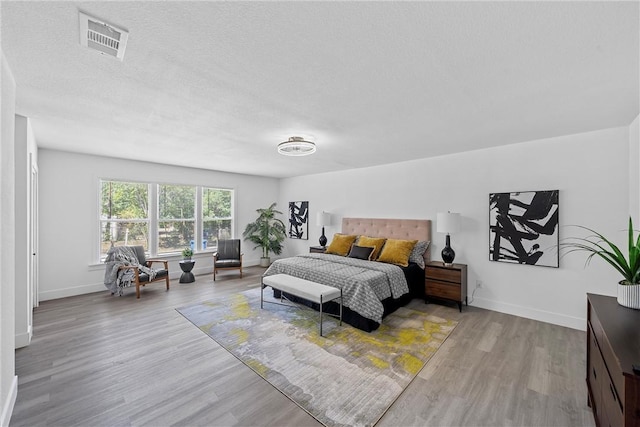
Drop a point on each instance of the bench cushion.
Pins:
(302, 288)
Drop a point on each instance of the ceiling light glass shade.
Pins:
(296, 146)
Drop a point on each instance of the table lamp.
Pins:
(323, 218)
(448, 222)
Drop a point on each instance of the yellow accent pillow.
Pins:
(341, 244)
(397, 251)
(376, 242)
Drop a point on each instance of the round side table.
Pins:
(187, 275)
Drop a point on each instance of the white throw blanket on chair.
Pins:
(115, 279)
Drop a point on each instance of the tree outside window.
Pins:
(176, 217)
(125, 218)
(217, 219)
(124, 214)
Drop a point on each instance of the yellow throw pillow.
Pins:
(397, 251)
(375, 242)
(341, 244)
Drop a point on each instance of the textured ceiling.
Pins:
(217, 85)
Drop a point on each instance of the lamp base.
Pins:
(323, 239)
(448, 254)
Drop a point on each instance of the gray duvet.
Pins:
(364, 284)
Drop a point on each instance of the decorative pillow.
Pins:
(417, 254)
(341, 244)
(361, 252)
(397, 251)
(375, 242)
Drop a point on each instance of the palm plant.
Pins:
(597, 244)
(267, 231)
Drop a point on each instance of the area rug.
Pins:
(347, 376)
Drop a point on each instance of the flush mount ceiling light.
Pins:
(296, 146)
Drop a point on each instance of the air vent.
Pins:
(103, 37)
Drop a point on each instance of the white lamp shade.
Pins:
(323, 218)
(448, 222)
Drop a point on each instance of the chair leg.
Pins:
(241, 272)
(167, 279)
(137, 290)
(214, 273)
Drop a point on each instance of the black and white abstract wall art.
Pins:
(523, 228)
(299, 220)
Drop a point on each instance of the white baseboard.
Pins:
(24, 339)
(70, 292)
(531, 313)
(7, 407)
(174, 274)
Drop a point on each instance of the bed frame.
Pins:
(407, 229)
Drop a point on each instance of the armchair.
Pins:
(123, 259)
(227, 257)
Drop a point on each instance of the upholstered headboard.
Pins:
(408, 229)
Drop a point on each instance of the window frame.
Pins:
(200, 207)
(153, 213)
(148, 220)
(193, 220)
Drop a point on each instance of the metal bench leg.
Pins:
(320, 315)
(261, 293)
(340, 307)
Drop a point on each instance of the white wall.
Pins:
(634, 171)
(8, 379)
(25, 149)
(69, 213)
(591, 171)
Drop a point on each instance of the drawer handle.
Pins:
(595, 376)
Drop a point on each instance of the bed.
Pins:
(372, 289)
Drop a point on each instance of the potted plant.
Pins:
(628, 267)
(266, 232)
(187, 253)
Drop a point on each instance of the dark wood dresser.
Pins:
(613, 347)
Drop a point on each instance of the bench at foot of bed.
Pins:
(302, 288)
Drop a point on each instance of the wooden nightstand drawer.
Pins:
(442, 290)
(444, 274)
(446, 282)
(317, 249)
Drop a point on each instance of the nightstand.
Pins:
(446, 282)
(317, 249)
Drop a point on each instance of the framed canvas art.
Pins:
(523, 228)
(299, 220)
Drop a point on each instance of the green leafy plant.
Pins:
(597, 244)
(267, 231)
(187, 252)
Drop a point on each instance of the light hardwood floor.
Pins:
(102, 360)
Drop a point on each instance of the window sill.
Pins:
(167, 257)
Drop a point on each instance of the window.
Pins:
(176, 219)
(124, 214)
(125, 217)
(217, 219)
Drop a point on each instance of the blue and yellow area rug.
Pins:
(347, 377)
